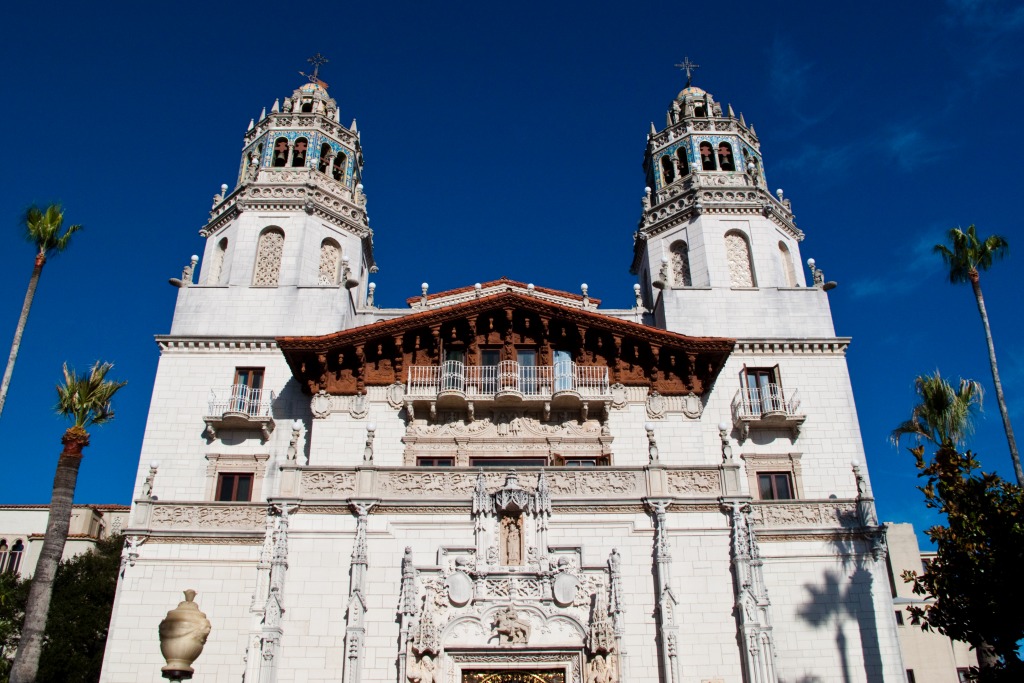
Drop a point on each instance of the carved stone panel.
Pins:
(694, 482)
(235, 517)
(328, 484)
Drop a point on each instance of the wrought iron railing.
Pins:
(242, 399)
(767, 401)
(484, 381)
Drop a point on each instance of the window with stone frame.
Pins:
(737, 255)
(216, 274)
(269, 252)
(14, 557)
(774, 476)
(330, 257)
(235, 477)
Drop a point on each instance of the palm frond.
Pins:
(966, 254)
(43, 229)
(944, 415)
(86, 399)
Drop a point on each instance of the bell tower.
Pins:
(290, 248)
(716, 252)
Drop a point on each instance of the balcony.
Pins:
(240, 407)
(453, 384)
(767, 407)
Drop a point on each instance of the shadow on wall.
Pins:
(840, 600)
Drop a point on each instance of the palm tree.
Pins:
(85, 400)
(43, 229)
(945, 416)
(968, 256)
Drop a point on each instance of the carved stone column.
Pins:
(355, 626)
(753, 616)
(267, 606)
(668, 632)
(407, 613)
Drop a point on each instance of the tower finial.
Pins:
(689, 67)
(317, 61)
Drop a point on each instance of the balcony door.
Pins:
(453, 372)
(489, 359)
(245, 394)
(563, 371)
(765, 393)
(527, 359)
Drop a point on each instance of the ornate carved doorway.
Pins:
(515, 676)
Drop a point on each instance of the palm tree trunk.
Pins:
(976, 284)
(20, 330)
(26, 661)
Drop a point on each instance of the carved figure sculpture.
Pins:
(599, 670)
(513, 541)
(509, 629)
(421, 671)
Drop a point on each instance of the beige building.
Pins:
(22, 528)
(929, 656)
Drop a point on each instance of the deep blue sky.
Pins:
(507, 139)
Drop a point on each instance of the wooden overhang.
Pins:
(379, 354)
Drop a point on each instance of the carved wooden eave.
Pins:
(346, 362)
(460, 294)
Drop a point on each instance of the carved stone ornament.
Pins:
(618, 395)
(328, 484)
(509, 629)
(564, 589)
(183, 634)
(358, 406)
(320, 405)
(695, 482)
(396, 395)
(460, 588)
(692, 406)
(656, 405)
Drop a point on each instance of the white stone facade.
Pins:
(360, 559)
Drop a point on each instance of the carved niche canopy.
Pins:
(380, 354)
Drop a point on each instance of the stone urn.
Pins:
(183, 634)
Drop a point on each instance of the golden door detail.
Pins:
(513, 676)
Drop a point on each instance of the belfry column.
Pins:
(668, 632)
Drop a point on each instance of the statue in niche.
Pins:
(601, 670)
(509, 629)
(512, 539)
(421, 671)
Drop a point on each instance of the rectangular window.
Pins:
(234, 487)
(581, 462)
(775, 485)
(899, 617)
(435, 462)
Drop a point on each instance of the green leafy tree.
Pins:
(973, 584)
(76, 630)
(86, 400)
(43, 228)
(967, 255)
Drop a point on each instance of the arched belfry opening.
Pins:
(725, 158)
(325, 158)
(668, 174)
(299, 152)
(280, 152)
(338, 166)
(707, 157)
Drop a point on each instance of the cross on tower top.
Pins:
(689, 67)
(317, 61)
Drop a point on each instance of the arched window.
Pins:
(325, 158)
(329, 256)
(725, 159)
(217, 263)
(700, 110)
(737, 254)
(269, 250)
(3, 553)
(299, 152)
(307, 107)
(684, 163)
(680, 264)
(787, 265)
(280, 152)
(338, 167)
(707, 156)
(668, 174)
(14, 561)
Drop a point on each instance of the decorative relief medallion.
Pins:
(208, 517)
(619, 398)
(460, 588)
(693, 407)
(329, 483)
(656, 405)
(320, 405)
(396, 395)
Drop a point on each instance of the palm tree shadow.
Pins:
(840, 600)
